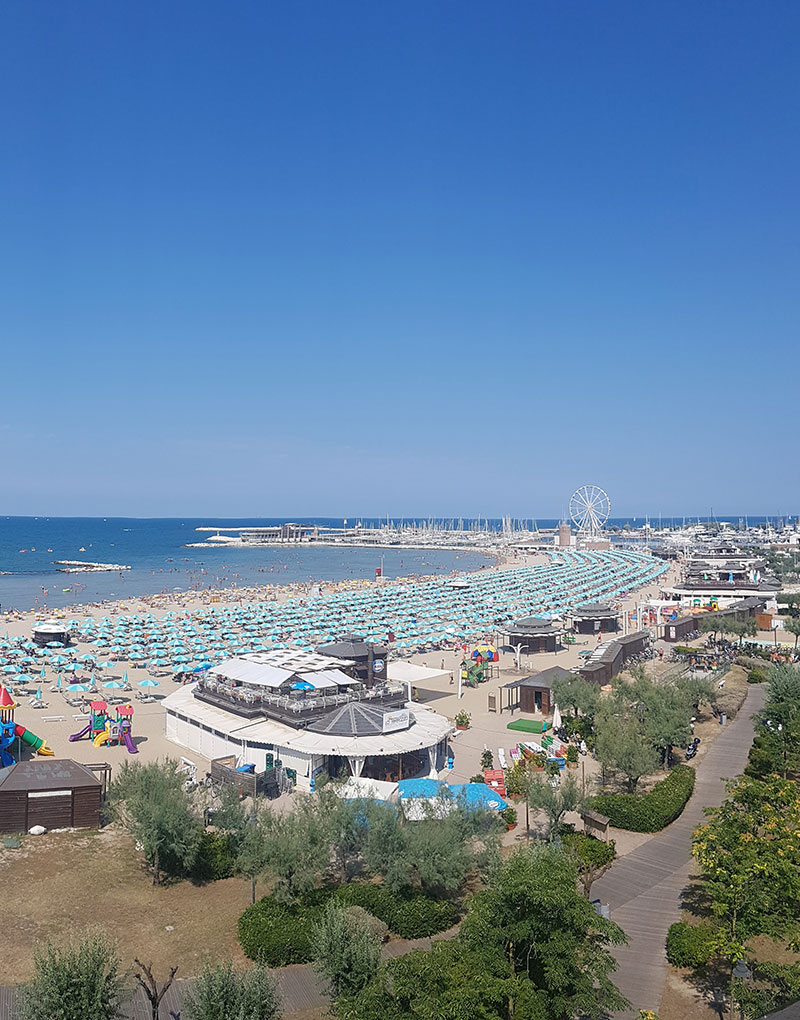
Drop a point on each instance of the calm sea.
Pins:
(154, 549)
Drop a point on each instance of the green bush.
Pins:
(276, 934)
(216, 858)
(690, 945)
(648, 812)
(280, 934)
(411, 915)
(756, 676)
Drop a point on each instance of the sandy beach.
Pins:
(57, 720)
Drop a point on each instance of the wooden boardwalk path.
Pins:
(644, 888)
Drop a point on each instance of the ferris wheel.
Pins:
(589, 508)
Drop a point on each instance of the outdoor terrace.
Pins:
(293, 709)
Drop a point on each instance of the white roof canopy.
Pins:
(253, 673)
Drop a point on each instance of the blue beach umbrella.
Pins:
(148, 683)
(78, 688)
(113, 685)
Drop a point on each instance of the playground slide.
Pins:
(83, 732)
(100, 739)
(132, 748)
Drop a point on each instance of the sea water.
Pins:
(156, 551)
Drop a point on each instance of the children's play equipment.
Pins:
(9, 729)
(102, 729)
(481, 666)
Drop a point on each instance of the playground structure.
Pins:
(9, 729)
(102, 729)
(481, 666)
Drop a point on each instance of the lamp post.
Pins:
(741, 972)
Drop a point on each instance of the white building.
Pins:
(305, 711)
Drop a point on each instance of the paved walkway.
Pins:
(644, 888)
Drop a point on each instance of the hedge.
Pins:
(648, 812)
(279, 934)
(690, 945)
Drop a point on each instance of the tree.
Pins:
(519, 781)
(75, 980)
(667, 718)
(451, 981)
(698, 690)
(792, 626)
(345, 951)
(345, 823)
(532, 914)
(713, 623)
(253, 854)
(749, 853)
(773, 986)
(222, 993)
(778, 741)
(556, 801)
(622, 746)
(295, 845)
(149, 800)
(592, 857)
(150, 986)
(386, 847)
(579, 694)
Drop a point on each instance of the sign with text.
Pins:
(399, 720)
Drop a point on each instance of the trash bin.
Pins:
(723, 718)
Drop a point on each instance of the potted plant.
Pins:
(462, 720)
(538, 761)
(487, 759)
(572, 756)
(509, 816)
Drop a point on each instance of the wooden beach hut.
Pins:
(58, 794)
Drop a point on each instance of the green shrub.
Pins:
(377, 928)
(276, 934)
(280, 934)
(572, 754)
(215, 859)
(690, 945)
(409, 914)
(478, 778)
(756, 676)
(648, 812)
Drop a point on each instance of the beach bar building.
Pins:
(312, 720)
(595, 618)
(58, 794)
(530, 635)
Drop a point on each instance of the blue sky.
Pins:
(427, 258)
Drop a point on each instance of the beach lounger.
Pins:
(501, 757)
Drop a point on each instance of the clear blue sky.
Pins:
(436, 258)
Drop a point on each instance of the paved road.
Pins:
(644, 887)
